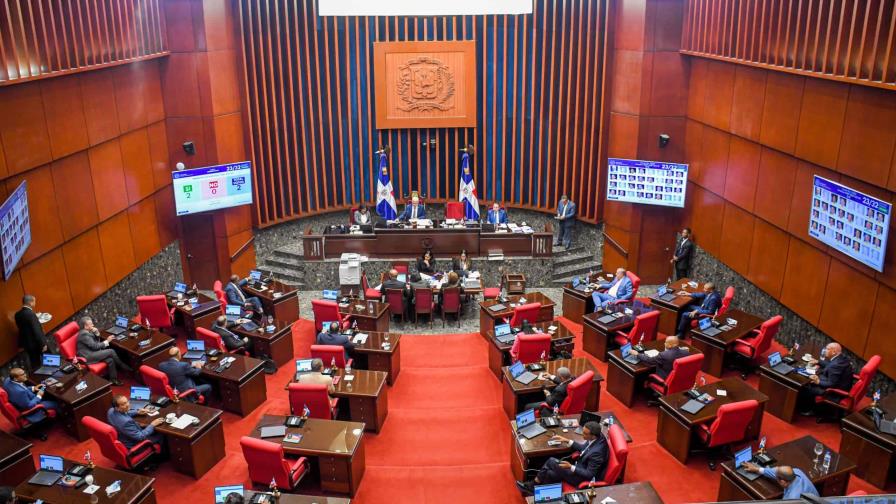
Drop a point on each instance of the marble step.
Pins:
(575, 269)
(573, 258)
(283, 262)
(293, 250)
(285, 275)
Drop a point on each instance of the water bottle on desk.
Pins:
(556, 411)
(826, 464)
(348, 368)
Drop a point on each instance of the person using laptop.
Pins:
(31, 333)
(619, 289)
(24, 396)
(315, 376)
(121, 417)
(235, 295)
(181, 374)
(392, 282)
(331, 336)
(94, 348)
(792, 479)
(591, 464)
(834, 371)
(707, 302)
(665, 359)
(556, 396)
(231, 341)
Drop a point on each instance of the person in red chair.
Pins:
(710, 301)
(121, 417)
(591, 464)
(556, 396)
(665, 359)
(235, 296)
(316, 377)
(392, 282)
(332, 336)
(31, 334)
(834, 371)
(181, 374)
(620, 288)
(94, 348)
(25, 397)
(231, 341)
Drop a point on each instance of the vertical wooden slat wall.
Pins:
(46, 38)
(849, 41)
(309, 93)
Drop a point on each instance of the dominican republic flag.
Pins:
(468, 190)
(385, 197)
(306, 411)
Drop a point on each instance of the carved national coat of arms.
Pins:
(425, 84)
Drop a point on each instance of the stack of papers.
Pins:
(360, 338)
(184, 421)
(652, 353)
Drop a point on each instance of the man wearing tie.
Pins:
(566, 217)
(591, 464)
(496, 215)
(681, 260)
(413, 211)
(834, 371)
(180, 374)
(24, 396)
(31, 333)
(710, 302)
(235, 295)
(619, 289)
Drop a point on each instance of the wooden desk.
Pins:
(782, 391)
(16, 461)
(277, 345)
(641, 492)
(516, 395)
(364, 399)
(499, 353)
(488, 318)
(197, 448)
(135, 489)
(95, 401)
(370, 315)
(873, 451)
(372, 356)
(532, 453)
(241, 387)
(669, 310)
(133, 354)
(597, 336)
(797, 453)
(576, 303)
(715, 348)
(336, 447)
(624, 379)
(189, 317)
(286, 498)
(277, 299)
(674, 426)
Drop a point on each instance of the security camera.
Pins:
(664, 140)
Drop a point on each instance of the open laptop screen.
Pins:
(548, 493)
(51, 463)
(232, 310)
(742, 456)
(303, 365)
(195, 345)
(52, 360)
(502, 329)
(774, 359)
(626, 348)
(121, 322)
(222, 492)
(180, 287)
(525, 418)
(140, 393)
(255, 275)
(517, 369)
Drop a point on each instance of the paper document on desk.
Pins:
(360, 338)
(184, 421)
(349, 377)
(652, 353)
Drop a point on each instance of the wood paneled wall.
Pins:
(93, 148)
(851, 41)
(309, 93)
(43, 38)
(755, 138)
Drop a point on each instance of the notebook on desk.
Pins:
(627, 356)
(527, 426)
(496, 308)
(195, 350)
(504, 334)
(179, 288)
(606, 319)
(775, 362)
(121, 325)
(519, 373)
(692, 406)
(49, 364)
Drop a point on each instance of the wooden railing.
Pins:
(242, 248)
(312, 246)
(542, 243)
(619, 248)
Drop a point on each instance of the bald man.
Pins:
(413, 211)
(834, 372)
(180, 374)
(619, 289)
(793, 480)
(556, 396)
(707, 302)
(24, 396)
(665, 359)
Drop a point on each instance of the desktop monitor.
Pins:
(52, 360)
(121, 322)
(195, 345)
(140, 393)
(774, 359)
(212, 187)
(222, 492)
(525, 418)
(233, 310)
(50, 463)
(548, 493)
(517, 368)
(303, 365)
(744, 455)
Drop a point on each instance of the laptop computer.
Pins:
(548, 494)
(49, 365)
(693, 406)
(627, 355)
(402, 277)
(504, 334)
(519, 373)
(883, 425)
(195, 349)
(496, 308)
(120, 327)
(527, 426)
(222, 492)
(331, 295)
(140, 397)
(775, 362)
(302, 366)
(179, 288)
(273, 431)
(233, 312)
(249, 326)
(665, 294)
(706, 327)
(744, 455)
(255, 275)
(50, 471)
(472, 283)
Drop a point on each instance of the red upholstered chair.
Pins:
(529, 348)
(369, 292)
(752, 347)
(726, 304)
(729, 427)
(451, 303)
(157, 381)
(645, 326)
(491, 292)
(154, 311)
(17, 417)
(327, 311)
(843, 402)
(618, 455)
(266, 463)
(351, 215)
(113, 449)
(857, 493)
(395, 298)
(67, 340)
(636, 284)
(401, 268)
(218, 288)
(327, 353)
(423, 304)
(454, 210)
(683, 375)
(576, 395)
(316, 397)
(528, 312)
(214, 340)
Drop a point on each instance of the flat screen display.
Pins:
(15, 229)
(647, 182)
(212, 187)
(849, 221)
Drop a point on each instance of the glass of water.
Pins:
(819, 449)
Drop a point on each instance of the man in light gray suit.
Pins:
(94, 348)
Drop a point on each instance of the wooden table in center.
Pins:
(370, 315)
(363, 399)
(625, 379)
(135, 489)
(489, 317)
(16, 461)
(516, 395)
(669, 310)
(715, 348)
(135, 352)
(94, 400)
(641, 492)
(372, 355)
(874, 451)
(277, 299)
(196, 448)
(499, 353)
(277, 344)
(598, 328)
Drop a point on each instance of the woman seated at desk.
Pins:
(452, 281)
(426, 264)
(362, 215)
(462, 265)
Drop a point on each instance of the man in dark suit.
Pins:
(331, 336)
(707, 302)
(413, 211)
(121, 417)
(392, 282)
(94, 348)
(31, 333)
(566, 217)
(180, 374)
(591, 464)
(231, 341)
(235, 295)
(684, 250)
(664, 360)
(496, 215)
(834, 371)
(24, 396)
(556, 396)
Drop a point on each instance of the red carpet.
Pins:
(446, 438)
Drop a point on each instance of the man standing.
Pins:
(834, 371)
(497, 215)
(681, 260)
(31, 333)
(180, 374)
(95, 348)
(235, 295)
(793, 480)
(231, 341)
(566, 217)
(620, 288)
(591, 464)
(710, 302)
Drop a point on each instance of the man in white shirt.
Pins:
(315, 376)
(619, 289)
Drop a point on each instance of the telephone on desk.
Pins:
(295, 421)
(224, 364)
(764, 459)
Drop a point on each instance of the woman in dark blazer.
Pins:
(427, 263)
